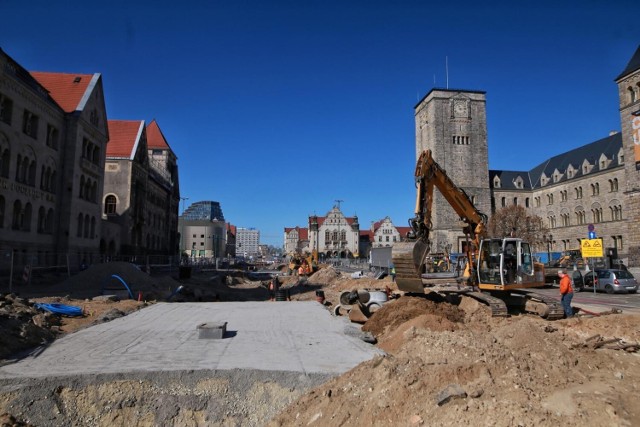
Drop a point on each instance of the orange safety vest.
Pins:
(565, 285)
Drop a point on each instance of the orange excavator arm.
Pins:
(409, 256)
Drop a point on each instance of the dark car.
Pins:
(610, 281)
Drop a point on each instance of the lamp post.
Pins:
(182, 228)
(549, 240)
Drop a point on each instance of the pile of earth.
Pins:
(455, 365)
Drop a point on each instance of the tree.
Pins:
(516, 222)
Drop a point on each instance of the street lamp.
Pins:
(182, 248)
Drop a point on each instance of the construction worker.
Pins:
(566, 292)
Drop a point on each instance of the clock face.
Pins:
(460, 108)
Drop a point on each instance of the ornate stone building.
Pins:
(141, 192)
(53, 137)
(334, 235)
(597, 183)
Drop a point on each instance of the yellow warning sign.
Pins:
(591, 248)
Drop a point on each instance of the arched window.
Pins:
(93, 228)
(17, 214)
(26, 218)
(2, 207)
(87, 224)
(81, 192)
(42, 218)
(80, 223)
(110, 207)
(49, 223)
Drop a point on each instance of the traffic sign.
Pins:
(591, 248)
(591, 227)
(592, 235)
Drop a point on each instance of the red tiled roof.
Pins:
(155, 138)
(124, 136)
(67, 90)
(303, 234)
(403, 231)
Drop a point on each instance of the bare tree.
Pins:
(516, 222)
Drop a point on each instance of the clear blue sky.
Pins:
(278, 108)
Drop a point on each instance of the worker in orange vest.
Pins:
(566, 292)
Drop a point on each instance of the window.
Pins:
(52, 137)
(110, 205)
(6, 109)
(2, 207)
(79, 225)
(30, 124)
(578, 192)
(5, 158)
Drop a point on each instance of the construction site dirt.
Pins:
(437, 364)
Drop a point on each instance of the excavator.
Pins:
(498, 271)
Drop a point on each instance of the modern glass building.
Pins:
(205, 210)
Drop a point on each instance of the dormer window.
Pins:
(496, 182)
(621, 156)
(544, 179)
(518, 182)
(603, 161)
(586, 167)
(557, 175)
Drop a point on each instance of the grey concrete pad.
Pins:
(280, 336)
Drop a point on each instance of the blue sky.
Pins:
(276, 109)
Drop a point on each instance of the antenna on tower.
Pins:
(446, 68)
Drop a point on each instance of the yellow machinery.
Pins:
(497, 270)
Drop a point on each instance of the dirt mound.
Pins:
(324, 276)
(434, 313)
(98, 276)
(525, 372)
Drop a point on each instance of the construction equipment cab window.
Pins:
(505, 261)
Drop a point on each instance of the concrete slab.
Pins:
(274, 336)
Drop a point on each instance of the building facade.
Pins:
(595, 184)
(247, 242)
(204, 231)
(204, 238)
(53, 137)
(333, 235)
(141, 193)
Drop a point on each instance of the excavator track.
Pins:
(497, 306)
(554, 308)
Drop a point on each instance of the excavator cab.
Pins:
(506, 264)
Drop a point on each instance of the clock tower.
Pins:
(453, 125)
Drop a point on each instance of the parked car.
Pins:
(610, 281)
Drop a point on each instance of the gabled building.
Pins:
(141, 193)
(333, 235)
(53, 136)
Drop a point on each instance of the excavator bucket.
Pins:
(408, 259)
